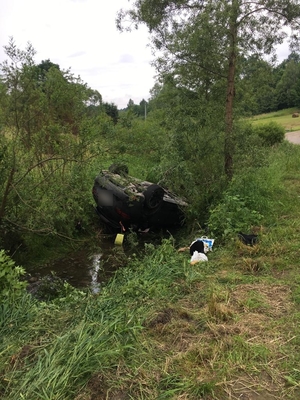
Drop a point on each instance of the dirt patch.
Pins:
(293, 137)
(272, 300)
(255, 387)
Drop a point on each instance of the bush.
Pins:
(232, 215)
(9, 277)
(251, 197)
(270, 133)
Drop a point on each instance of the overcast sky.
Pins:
(82, 35)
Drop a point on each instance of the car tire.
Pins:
(154, 195)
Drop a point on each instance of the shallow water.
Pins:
(91, 267)
(83, 268)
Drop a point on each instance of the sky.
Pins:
(82, 35)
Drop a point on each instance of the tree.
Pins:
(112, 111)
(130, 104)
(95, 98)
(202, 42)
(66, 97)
(43, 68)
(143, 108)
(44, 181)
(256, 86)
(288, 87)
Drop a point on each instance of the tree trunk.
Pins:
(229, 142)
(230, 93)
(6, 193)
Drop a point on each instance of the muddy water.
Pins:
(92, 266)
(84, 268)
(81, 269)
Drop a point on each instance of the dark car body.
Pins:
(124, 202)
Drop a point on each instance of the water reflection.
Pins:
(91, 267)
(82, 268)
(94, 270)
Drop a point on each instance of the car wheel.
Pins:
(154, 195)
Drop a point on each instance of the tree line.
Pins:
(56, 131)
(201, 44)
(51, 124)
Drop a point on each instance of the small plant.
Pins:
(132, 239)
(10, 277)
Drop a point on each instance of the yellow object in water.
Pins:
(119, 239)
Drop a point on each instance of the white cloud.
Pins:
(126, 58)
(82, 35)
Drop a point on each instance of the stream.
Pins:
(92, 266)
(81, 269)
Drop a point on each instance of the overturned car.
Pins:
(124, 202)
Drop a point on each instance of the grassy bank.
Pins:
(163, 329)
(283, 118)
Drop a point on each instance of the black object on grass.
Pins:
(249, 240)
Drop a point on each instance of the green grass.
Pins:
(163, 329)
(282, 117)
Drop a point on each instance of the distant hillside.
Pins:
(282, 117)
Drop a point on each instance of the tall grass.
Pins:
(55, 371)
(59, 353)
(257, 193)
(163, 329)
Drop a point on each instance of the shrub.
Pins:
(270, 133)
(231, 215)
(252, 196)
(9, 277)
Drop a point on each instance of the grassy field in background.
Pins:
(283, 117)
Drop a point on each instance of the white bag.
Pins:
(208, 243)
(198, 257)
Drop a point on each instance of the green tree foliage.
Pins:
(139, 110)
(94, 103)
(132, 112)
(264, 87)
(47, 148)
(10, 284)
(112, 111)
(192, 145)
(130, 104)
(143, 108)
(202, 43)
(288, 87)
(256, 92)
